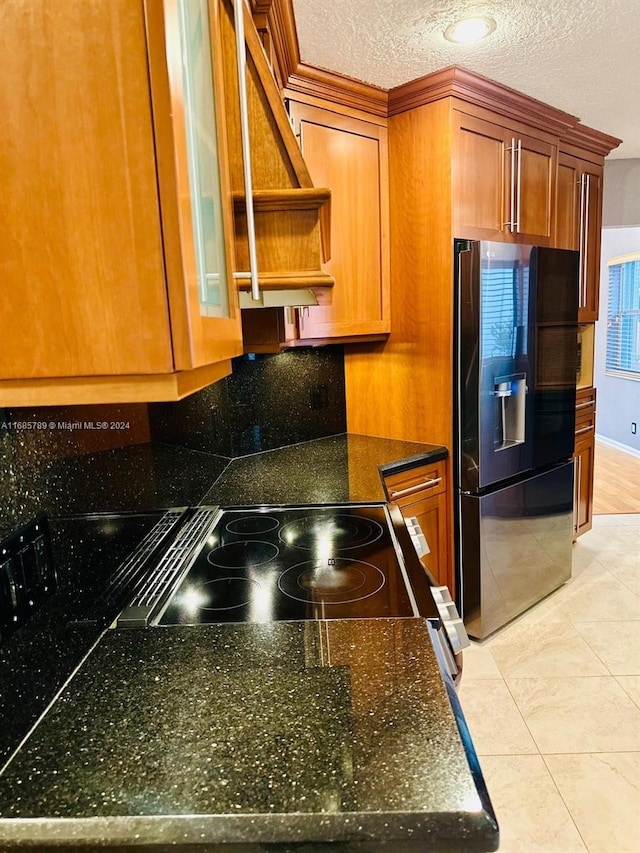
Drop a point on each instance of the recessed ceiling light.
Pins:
(470, 30)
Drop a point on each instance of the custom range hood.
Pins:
(282, 222)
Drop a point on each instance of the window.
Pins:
(623, 317)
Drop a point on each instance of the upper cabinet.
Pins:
(579, 209)
(504, 180)
(282, 230)
(349, 155)
(117, 259)
(124, 216)
(468, 158)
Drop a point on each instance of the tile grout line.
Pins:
(618, 677)
(513, 699)
(564, 802)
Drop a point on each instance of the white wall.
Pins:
(621, 196)
(618, 401)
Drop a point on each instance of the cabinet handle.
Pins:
(585, 239)
(410, 490)
(585, 405)
(577, 475)
(584, 429)
(581, 301)
(241, 56)
(518, 188)
(512, 197)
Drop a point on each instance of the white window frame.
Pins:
(615, 317)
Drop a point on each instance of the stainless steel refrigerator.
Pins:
(514, 402)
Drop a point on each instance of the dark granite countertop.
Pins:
(126, 489)
(281, 734)
(341, 468)
(151, 476)
(134, 483)
(36, 660)
(137, 478)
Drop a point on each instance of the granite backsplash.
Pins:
(268, 401)
(55, 459)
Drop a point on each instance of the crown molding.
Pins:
(454, 81)
(298, 76)
(589, 139)
(470, 87)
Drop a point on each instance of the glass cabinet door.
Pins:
(203, 159)
(186, 72)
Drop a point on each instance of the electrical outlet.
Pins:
(213, 422)
(318, 397)
(633, 428)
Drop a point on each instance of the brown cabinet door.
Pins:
(186, 73)
(89, 245)
(479, 175)
(503, 182)
(591, 236)
(349, 156)
(583, 510)
(421, 493)
(431, 515)
(535, 164)
(579, 225)
(83, 290)
(568, 202)
(584, 459)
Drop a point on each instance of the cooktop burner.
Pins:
(220, 594)
(239, 555)
(332, 581)
(342, 531)
(249, 525)
(293, 563)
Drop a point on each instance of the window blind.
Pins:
(504, 310)
(623, 316)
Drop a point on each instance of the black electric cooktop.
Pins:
(288, 563)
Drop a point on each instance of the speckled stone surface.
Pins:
(338, 469)
(285, 733)
(268, 401)
(36, 660)
(140, 477)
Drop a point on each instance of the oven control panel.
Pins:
(27, 573)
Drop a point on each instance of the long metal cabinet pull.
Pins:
(241, 55)
(585, 405)
(428, 484)
(577, 474)
(518, 187)
(512, 197)
(584, 429)
(585, 244)
(581, 247)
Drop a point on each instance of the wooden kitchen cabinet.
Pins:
(349, 155)
(421, 494)
(503, 181)
(579, 224)
(448, 138)
(117, 221)
(584, 455)
(124, 214)
(341, 125)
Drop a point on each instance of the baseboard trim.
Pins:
(618, 445)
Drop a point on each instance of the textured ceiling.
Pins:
(580, 56)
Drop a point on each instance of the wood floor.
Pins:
(616, 482)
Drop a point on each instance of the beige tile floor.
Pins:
(553, 704)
